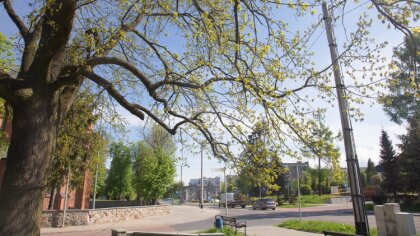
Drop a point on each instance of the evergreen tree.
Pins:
(410, 156)
(389, 163)
(370, 171)
(402, 101)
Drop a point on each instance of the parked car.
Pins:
(264, 203)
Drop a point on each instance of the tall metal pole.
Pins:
(224, 177)
(298, 180)
(96, 183)
(182, 186)
(360, 216)
(202, 183)
(66, 196)
(97, 168)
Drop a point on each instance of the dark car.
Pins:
(265, 203)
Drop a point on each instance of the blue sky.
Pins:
(366, 133)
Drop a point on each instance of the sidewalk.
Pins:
(182, 215)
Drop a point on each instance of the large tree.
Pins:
(410, 156)
(261, 167)
(208, 66)
(321, 146)
(402, 101)
(388, 160)
(119, 180)
(154, 171)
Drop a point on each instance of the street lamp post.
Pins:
(298, 185)
(202, 182)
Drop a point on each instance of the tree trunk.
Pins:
(28, 159)
(52, 197)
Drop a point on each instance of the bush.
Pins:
(379, 199)
(305, 189)
(369, 206)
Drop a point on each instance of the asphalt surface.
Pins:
(190, 218)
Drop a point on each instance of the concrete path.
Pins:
(179, 215)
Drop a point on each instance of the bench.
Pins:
(326, 233)
(230, 221)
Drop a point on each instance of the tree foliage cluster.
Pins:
(79, 146)
(144, 170)
(401, 101)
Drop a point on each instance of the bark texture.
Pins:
(29, 155)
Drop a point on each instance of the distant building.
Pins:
(211, 189)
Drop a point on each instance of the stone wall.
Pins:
(105, 215)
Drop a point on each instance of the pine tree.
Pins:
(389, 163)
(410, 156)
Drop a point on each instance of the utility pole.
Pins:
(182, 186)
(202, 182)
(298, 186)
(360, 216)
(66, 196)
(97, 167)
(96, 183)
(224, 177)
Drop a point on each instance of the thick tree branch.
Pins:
(16, 19)
(30, 49)
(133, 108)
(56, 29)
(116, 61)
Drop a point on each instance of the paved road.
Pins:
(190, 218)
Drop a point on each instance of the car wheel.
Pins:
(274, 208)
(263, 208)
(243, 206)
(253, 208)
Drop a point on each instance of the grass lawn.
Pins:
(315, 199)
(316, 226)
(308, 201)
(226, 230)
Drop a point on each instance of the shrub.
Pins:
(379, 199)
(305, 190)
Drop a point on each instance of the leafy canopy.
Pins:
(208, 67)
